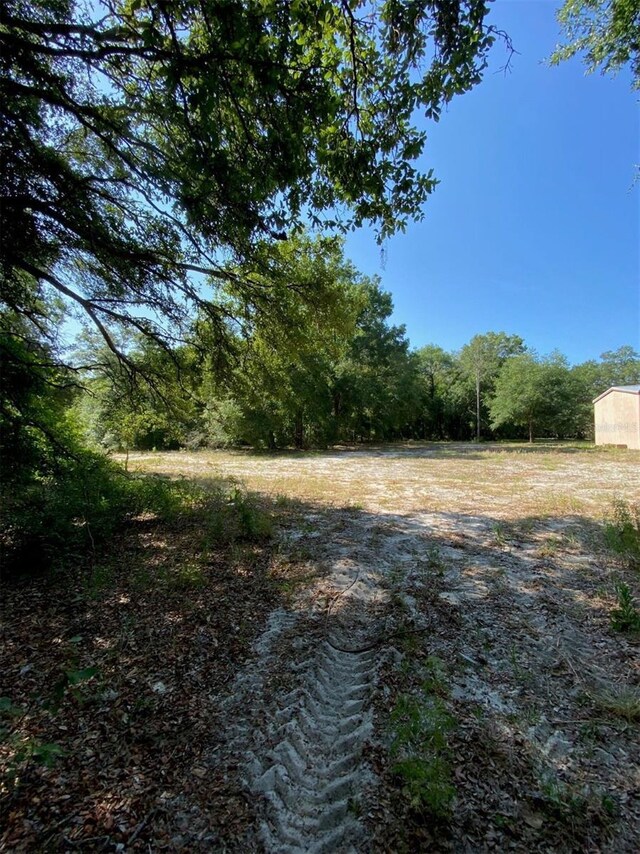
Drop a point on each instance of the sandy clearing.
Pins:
(506, 546)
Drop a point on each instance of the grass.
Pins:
(419, 745)
(455, 477)
(618, 701)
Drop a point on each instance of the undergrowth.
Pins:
(64, 515)
(626, 617)
(420, 725)
(622, 531)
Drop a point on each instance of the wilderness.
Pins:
(274, 578)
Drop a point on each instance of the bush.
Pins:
(65, 511)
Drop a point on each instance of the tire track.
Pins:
(313, 775)
(303, 741)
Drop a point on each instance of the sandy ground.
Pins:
(493, 557)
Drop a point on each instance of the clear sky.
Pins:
(535, 226)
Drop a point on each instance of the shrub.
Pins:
(622, 531)
(626, 617)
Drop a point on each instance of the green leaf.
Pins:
(75, 677)
(47, 753)
(7, 708)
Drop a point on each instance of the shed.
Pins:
(617, 416)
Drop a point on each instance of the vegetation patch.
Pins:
(420, 751)
(622, 531)
(111, 675)
(626, 616)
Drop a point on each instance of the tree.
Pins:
(439, 374)
(276, 389)
(143, 140)
(160, 413)
(535, 394)
(482, 358)
(592, 378)
(374, 387)
(619, 367)
(606, 32)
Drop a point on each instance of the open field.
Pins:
(503, 481)
(421, 658)
(485, 565)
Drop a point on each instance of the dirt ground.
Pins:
(473, 579)
(422, 658)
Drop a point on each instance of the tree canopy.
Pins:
(146, 144)
(481, 360)
(606, 32)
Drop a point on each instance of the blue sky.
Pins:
(535, 226)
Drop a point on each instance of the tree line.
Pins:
(339, 371)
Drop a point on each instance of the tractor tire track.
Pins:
(304, 735)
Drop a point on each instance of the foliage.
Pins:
(481, 360)
(374, 388)
(337, 371)
(419, 743)
(151, 157)
(606, 32)
(534, 393)
(142, 143)
(625, 617)
(73, 504)
(157, 408)
(436, 372)
(622, 531)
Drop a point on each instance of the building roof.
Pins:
(629, 389)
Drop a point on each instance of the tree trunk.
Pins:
(531, 431)
(478, 408)
(298, 437)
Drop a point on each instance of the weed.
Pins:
(500, 534)
(252, 522)
(435, 679)
(285, 502)
(620, 701)
(100, 578)
(531, 715)
(21, 750)
(561, 800)
(187, 576)
(622, 531)
(610, 806)
(550, 546)
(353, 507)
(420, 726)
(523, 676)
(354, 806)
(396, 574)
(626, 617)
(433, 560)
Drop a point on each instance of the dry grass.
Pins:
(510, 482)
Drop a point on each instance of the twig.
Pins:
(141, 826)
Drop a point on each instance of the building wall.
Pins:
(617, 417)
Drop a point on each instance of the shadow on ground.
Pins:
(127, 668)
